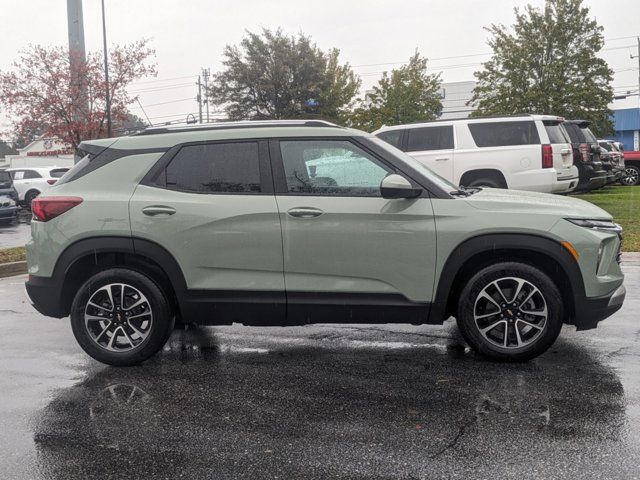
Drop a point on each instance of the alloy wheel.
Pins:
(510, 313)
(118, 317)
(630, 177)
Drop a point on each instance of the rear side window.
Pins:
(392, 137)
(555, 132)
(501, 134)
(430, 138)
(215, 168)
(591, 138)
(58, 172)
(574, 132)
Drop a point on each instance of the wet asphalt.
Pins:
(322, 401)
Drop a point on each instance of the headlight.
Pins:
(596, 224)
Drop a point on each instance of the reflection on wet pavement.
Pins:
(240, 404)
(347, 401)
(16, 234)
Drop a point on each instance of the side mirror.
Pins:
(396, 186)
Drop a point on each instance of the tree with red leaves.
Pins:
(44, 97)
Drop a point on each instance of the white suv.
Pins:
(30, 182)
(524, 152)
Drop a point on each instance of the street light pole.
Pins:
(106, 72)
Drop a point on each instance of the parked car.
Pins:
(6, 186)
(523, 152)
(586, 155)
(8, 209)
(30, 182)
(631, 168)
(230, 223)
(615, 158)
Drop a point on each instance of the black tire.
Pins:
(159, 330)
(631, 176)
(540, 338)
(28, 198)
(485, 182)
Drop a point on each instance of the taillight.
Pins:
(46, 208)
(547, 156)
(51, 181)
(585, 151)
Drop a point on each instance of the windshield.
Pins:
(412, 162)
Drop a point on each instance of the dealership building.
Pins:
(627, 125)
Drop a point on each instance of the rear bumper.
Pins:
(566, 184)
(591, 311)
(45, 296)
(591, 178)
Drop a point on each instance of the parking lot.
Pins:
(324, 401)
(17, 233)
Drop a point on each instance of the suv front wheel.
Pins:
(121, 317)
(510, 312)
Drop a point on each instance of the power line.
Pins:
(164, 79)
(159, 89)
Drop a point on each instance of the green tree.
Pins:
(407, 94)
(547, 63)
(274, 76)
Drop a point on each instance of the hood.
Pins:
(497, 199)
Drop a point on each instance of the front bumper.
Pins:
(7, 213)
(591, 311)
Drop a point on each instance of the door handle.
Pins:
(565, 151)
(305, 212)
(442, 159)
(154, 210)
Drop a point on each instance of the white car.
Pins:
(523, 152)
(30, 182)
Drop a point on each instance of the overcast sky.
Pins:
(191, 34)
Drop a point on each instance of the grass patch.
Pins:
(623, 203)
(8, 255)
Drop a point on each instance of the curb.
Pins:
(13, 268)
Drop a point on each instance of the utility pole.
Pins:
(106, 72)
(199, 98)
(638, 56)
(77, 56)
(205, 75)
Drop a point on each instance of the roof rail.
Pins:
(156, 130)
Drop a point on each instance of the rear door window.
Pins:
(555, 132)
(215, 168)
(502, 134)
(29, 174)
(430, 138)
(393, 137)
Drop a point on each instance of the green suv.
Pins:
(298, 222)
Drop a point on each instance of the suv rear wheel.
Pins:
(121, 317)
(631, 175)
(510, 312)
